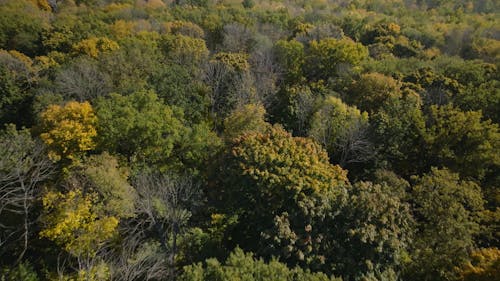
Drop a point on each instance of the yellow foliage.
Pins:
(71, 222)
(42, 4)
(68, 130)
(184, 28)
(121, 28)
(94, 46)
(394, 28)
(22, 57)
(237, 61)
(484, 266)
(45, 62)
(154, 4)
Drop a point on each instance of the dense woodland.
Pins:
(250, 140)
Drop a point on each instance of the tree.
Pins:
(328, 56)
(397, 131)
(184, 50)
(247, 119)
(137, 259)
(138, 126)
(374, 231)
(281, 188)
(243, 266)
(238, 38)
(291, 57)
(484, 265)
(295, 108)
(165, 205)
(68, 130)
(462, 141)
(72, 222)
(181, 86)
(447, 211)
(230, 82)
(342, 130)
(21, 25)
(82, 81)
(23, 168)
(372, 91)
(103, 175)
(18, 78)
(95, 46)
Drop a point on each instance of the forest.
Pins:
(240, 140)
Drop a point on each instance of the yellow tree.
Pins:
(94, 46)
(72, 221)
(484, 265)
(68, 130)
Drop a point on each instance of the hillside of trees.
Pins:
(304, 140)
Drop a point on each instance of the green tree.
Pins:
(21, 25)
(243, 266)
(186, 50)
(372, 90)
(447, 210)
(138, 126)
(281, 188)
(397, 132)
(18, 78)
(328, 57)
(291, 57)
(249, 118)
(109, 180)
(462, 141)
(374, 231)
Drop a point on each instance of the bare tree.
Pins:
(215, 75)
(164, 207)
(238, 38)
(354, 145)
(83, 81)
(137, 259)
(23, 166)
(266, 71)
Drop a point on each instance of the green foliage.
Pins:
(243, 266)
(23, 271)
(462, 141)
(138, 126)
(397, 131)
(178, 86)
(247, 119)
(447, 212)
(388, 89)
(109, 180)
(372, 91)
(291, 57)
(17, 77)
(184, 50)
(375, 233)
(21, 25)
(329, 57)
(280, 187)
